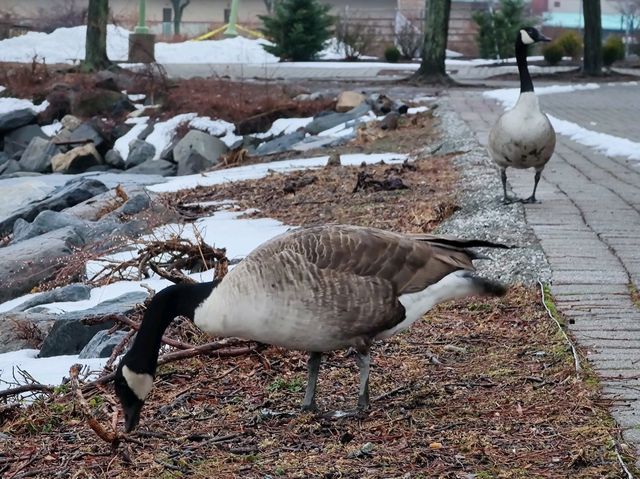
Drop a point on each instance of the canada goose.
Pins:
(318, 289)
(523, 136)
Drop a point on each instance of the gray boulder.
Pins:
(70, 335)
(9, 167)
(194, 163)
(37, 156)
(13, 326)
(102, 344)
(280, 144)
(154, 167)
(3, 158)
(28, 263)
(135, 205)
(43, 223)
(87, 132)
(15, 119)
(326, 122)
(113, 159)
(206, 145)
(16, 142)
(73, 192)
(139, 152)
(70, 292)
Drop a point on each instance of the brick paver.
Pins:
(588, 224)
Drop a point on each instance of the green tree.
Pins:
(436, 27)
(298, 29)
(592, 60)
(178, 10)
(498, 28)
(96, 41)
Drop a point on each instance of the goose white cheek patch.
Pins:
(526, 38)
(140, 384)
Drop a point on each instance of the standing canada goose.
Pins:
(523, 136)
(317, 289)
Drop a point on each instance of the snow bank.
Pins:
(608, 144)
(64, 45)
(67, 45)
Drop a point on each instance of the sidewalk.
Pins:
(589, 227)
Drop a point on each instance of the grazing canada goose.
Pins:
(317, 289)
(523, 136)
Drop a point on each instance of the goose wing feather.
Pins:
(408, 263)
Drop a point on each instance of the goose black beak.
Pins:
(132, 415)
(543, 38)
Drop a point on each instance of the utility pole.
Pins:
(231, 30)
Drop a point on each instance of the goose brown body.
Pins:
(326, 288)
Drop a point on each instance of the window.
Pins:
(556, 4)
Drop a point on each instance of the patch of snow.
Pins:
(424, 99)
(453, 54)
(122, 144)
(136, 97)
(260, 170)
(53, 129)
(229, 50)
(336, 50)
(49, 371)
(2, 88)
(608, 144)
(417, 109)
(67, 45)
(284, 126)
(64, 45)
(8, 105)
(220, 128)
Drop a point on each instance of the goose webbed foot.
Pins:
(530, 200)
(508, 200)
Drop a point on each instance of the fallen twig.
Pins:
(110, 437)
(576, 359)
(621, 461)
(27, 388)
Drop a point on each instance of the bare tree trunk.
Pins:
(592, 62)
(178, 10)
(96, 42)
(436, 27)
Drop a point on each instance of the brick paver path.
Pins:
(589, 227)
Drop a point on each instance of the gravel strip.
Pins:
(482, 214)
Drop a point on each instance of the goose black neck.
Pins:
(523, 69)
(177, 300)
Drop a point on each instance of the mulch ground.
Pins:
(478, 389)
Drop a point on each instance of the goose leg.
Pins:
(313, 368)
(364, 361)
(536, 179)
(505, 199)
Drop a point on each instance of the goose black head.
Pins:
(132, 389)
(531, 35)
